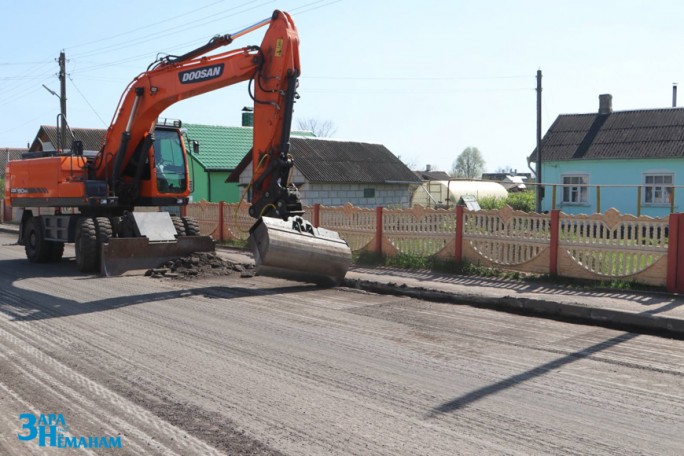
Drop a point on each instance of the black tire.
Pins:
(90, 235)
(86, 245)
(56, 251)
(192, 227)
(36, 247)
(178, 225)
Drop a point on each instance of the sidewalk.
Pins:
(653, 313)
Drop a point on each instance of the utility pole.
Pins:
(62, 98)
(540, 189)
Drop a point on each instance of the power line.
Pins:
(87, 102)
(20, 82)
(303, 11)
(174, 30)
(23, 63)
(15, 126)
(174, 17)
(428, 91)
(193, 24)
(428, 78)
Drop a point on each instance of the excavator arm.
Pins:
(272, 69)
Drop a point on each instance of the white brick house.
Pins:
(334, 173)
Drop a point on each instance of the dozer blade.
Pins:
(293, 249)
(127, 254)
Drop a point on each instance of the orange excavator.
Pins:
(144, 164)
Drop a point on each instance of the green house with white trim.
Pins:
(215, 151)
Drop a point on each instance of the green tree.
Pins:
(468, 164)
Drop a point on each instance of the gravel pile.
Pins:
(199, 265)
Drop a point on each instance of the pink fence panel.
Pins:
(419, 231)
(355, 225)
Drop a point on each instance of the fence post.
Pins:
(555, 229)
(672, 252)
(378, 230)
(458, 248)
(316, 215)
(221, 229)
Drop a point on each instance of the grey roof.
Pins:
(92, 138)
(8, 154)
(651, 133)
(333, 161)
(324, 160)
(432, 175)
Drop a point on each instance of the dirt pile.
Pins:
(199, 265)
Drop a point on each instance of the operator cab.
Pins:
(169, 161)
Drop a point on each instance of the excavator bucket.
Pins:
(293, 249)
(158, 243)
(120, 255)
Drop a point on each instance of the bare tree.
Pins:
(320, 128)
(410, 163)
(468, 164)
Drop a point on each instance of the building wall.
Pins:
(613, 172)
(338, 194)
(199, 179)
(211, 186)
(359, 195)
(220, 190)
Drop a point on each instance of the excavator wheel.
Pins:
(86, 245)
(56, 251)
(37, 248)
(178, 225)
(91, 233)
(192, 227)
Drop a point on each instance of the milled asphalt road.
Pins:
(655, 313)
(255, 365)
(644, 312)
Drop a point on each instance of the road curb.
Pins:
(9, 229)
(573, 313)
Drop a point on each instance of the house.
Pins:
(513, 180)
(219, 153)
(8, 154)
(432, 175)
(629, 160)
(499, 177)
(48, 138)
(333, 173)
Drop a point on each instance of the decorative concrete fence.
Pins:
(606, 246)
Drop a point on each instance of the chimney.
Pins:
(674, 94)
(428, 168)
(247, 117)
(605, 103)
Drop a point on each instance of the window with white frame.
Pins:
(575, 190)
(658, 188)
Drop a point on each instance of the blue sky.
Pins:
(427, 79)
